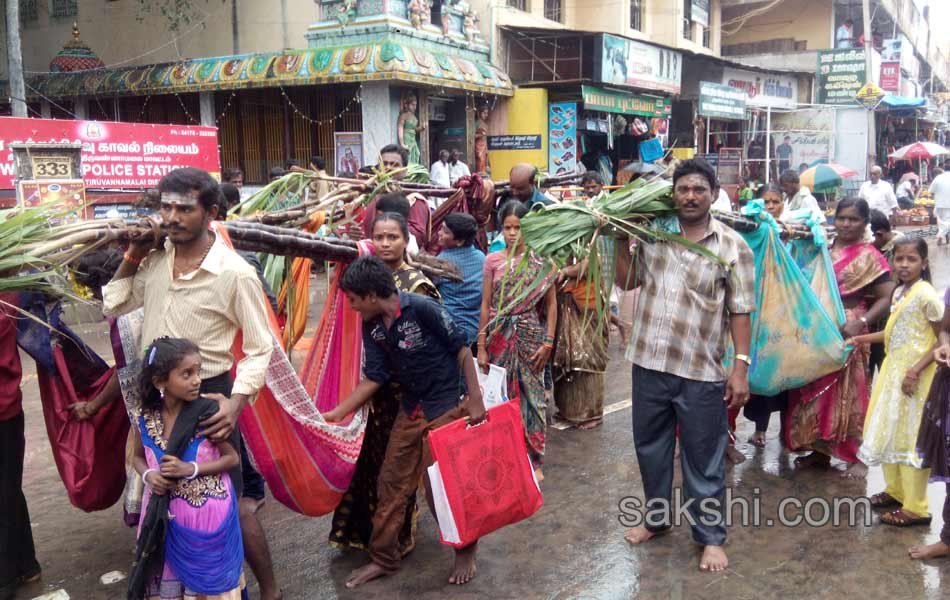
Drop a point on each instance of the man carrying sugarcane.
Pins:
(198, 288)
(686, 303)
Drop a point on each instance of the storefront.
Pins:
(737, 110)
(608, 99)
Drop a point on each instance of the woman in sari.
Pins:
(352, 523)
(517, 325)
(827, 416)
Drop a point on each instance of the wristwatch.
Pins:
(744, 358)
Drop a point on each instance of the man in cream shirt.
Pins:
(879, 194)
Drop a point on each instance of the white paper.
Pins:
(443, 512)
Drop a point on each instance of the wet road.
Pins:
(572, 548)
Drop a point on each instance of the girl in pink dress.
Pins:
(189, 544)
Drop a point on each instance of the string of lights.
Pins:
(356, 98)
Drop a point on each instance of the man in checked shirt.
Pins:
(687, 304)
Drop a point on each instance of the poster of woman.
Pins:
(348, 152)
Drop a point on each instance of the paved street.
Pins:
(573, 548)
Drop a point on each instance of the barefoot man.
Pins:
(686, 303)
(412, 339)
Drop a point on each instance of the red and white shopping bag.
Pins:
(482, 478)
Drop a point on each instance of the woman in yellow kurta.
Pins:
(900, 390)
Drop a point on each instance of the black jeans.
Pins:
(662, 401)
(760, 408)
(17, 553)
(250, 481)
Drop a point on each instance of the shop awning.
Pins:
(312, 66)
(898, 102)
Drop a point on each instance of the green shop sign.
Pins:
(628, 104)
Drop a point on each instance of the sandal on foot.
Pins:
(883, 500)
(901, 518)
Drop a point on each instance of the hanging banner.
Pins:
(596, 98)
(891, 76)
(116, 155)
(562, 138)
(803, 138)
(627, 62)
(721, 101)
(841, 73)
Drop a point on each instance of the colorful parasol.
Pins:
(924, 150)
(825, 176)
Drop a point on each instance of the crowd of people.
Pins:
(424, 340)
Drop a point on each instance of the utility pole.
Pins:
(15, 60)
(868, 48)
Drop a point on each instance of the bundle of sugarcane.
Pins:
(60, 246)
(21, 269)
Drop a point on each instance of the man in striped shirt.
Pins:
(198, 288)
(687, 301)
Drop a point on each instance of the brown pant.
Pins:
(407, 458)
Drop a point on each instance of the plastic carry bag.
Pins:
(493, 385)
(794, 338)
(482, 478)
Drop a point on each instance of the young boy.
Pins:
(412, 338)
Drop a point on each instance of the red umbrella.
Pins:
(919, 150)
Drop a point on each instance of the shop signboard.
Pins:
(637, 64)
(699, 12)
(891, 76)
(596, 98)
(347, 152)
(764, 89)
(115, 155)
(721, 101)
(841, 73)
(514, 142)
(562, 138)
(869, 96)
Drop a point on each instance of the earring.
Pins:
(161, 393)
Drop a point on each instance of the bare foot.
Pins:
(714, 559)
(757, 439)
(365, 573)
(539, 474)
(464, 570)
(734, 456)
(639, 535)
(855, 471)
(935, 550)
(594, 424)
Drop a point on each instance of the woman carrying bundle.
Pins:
(352, 523)
(827, 416)
(517, 325)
